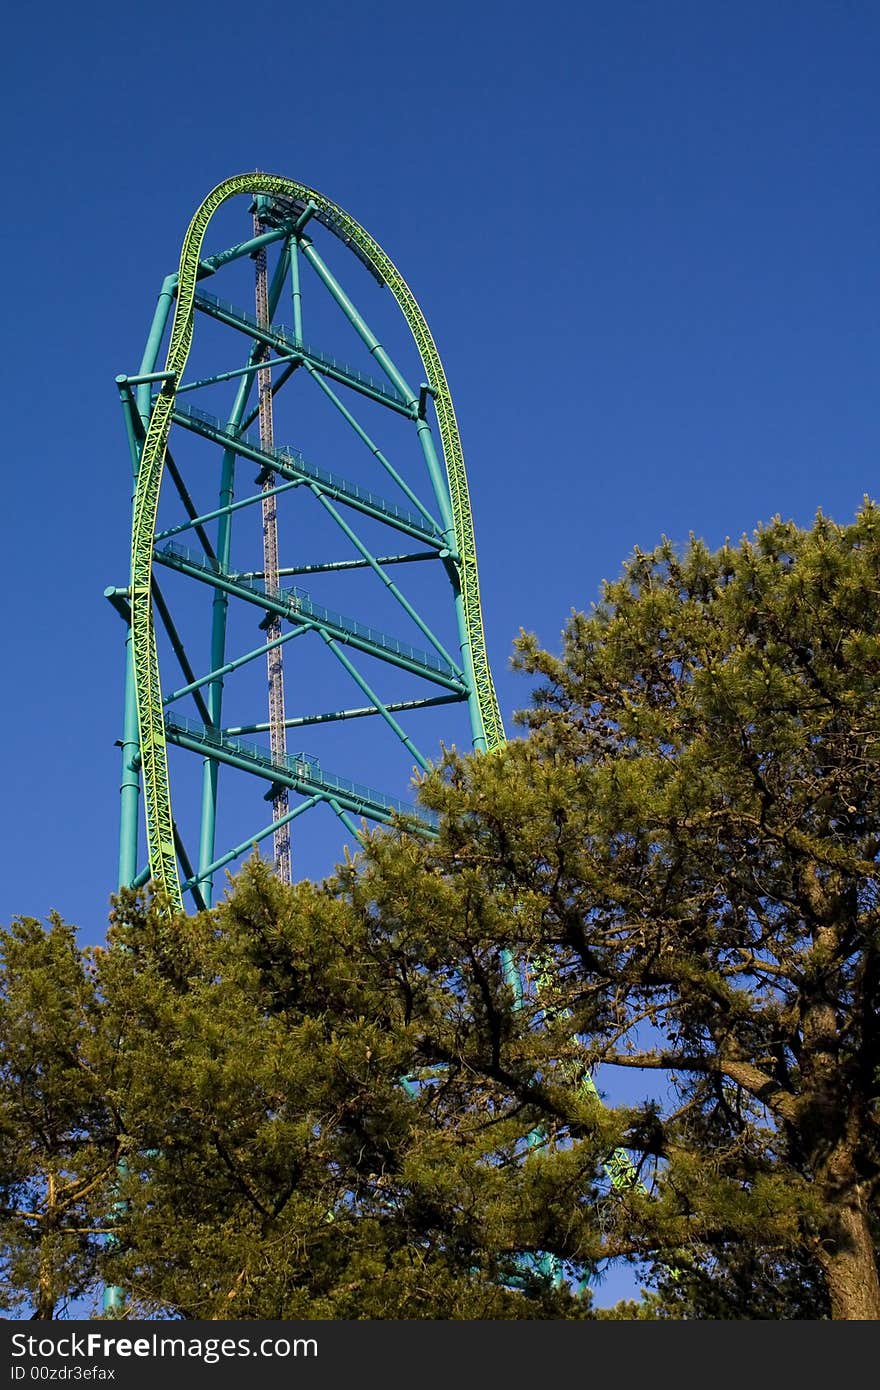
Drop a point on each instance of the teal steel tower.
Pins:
(303, 621)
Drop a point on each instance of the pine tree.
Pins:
(59, 1133)
(682, 858)
(277, 1148)
(215, 1113)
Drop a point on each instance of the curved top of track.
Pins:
(160, 836)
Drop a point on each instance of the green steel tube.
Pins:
(224, 511)
(389, 583)
(113, 1301)
(548, 1264)
(330, 716)
(178, 648)
(232, 854)
(154, 340)
(479, 740)
(438, 482)
(145, 378)
(129, 406)
(130, 787)
(359, 324)
(218, 672)
(234, 253)
(295, 291)
(347, 821)
(373, 448)
(186, 865)
(277, 384)
(286, 571)
(190, 507)
(441, 493)
(371, 695)
(249, 370)
(210, 769)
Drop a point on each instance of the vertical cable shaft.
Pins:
(274, 659)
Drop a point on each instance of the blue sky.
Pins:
(644, 235)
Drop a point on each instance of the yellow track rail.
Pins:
(154, 754)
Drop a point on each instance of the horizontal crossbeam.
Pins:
(299, 771)
(284, 342)
(291, 464)
(361, 712)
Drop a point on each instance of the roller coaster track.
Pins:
(151, 724)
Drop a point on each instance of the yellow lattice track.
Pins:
(154, 754)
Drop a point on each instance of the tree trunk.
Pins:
(45, 1305)
(834, 1114)
(45, 1309)
(849, 1262)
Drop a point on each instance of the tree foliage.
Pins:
(683, 856)
(285, 1156)
(376, 1097)
(219, 1110)
(59, 1133)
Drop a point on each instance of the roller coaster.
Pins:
(189, 429)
